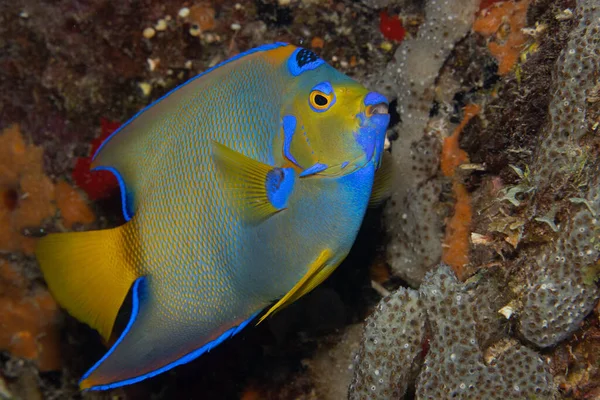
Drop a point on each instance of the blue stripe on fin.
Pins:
(135, 308)
(183, 360)
(126, 197)
(265, 47)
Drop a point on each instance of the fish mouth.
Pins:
(377, 109)
(376, 104)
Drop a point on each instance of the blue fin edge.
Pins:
(264, 47)
(125, 206)
(183, 360)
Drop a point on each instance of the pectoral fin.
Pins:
(318, 271)
(260, 190)
(382, 186)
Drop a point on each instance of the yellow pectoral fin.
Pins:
(259, 190)
(382, 185)
(318, 271)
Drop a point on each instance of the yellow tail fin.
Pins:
(88, 274)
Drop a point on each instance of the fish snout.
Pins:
(376, 104)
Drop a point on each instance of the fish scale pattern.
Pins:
(194, 168)
(202, 203)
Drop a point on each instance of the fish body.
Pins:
(243, 187)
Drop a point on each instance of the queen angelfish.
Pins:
(242, 189)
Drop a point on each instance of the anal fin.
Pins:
(150, 344)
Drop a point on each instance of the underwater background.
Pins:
(478, 278)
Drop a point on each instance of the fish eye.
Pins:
(320, 101)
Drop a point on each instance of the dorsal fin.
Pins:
(140, 142)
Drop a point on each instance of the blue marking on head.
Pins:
(380, 122)
(371, 134)
(326, 88)
(318, 167)
(365, 136)
(303, 60)
(345, 164)
(373, 98)
(289, 128)
(126, 196)
(362, 118)
(265, 47)
(137, 288)
(279, 184)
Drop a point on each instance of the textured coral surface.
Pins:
(467, 354)
(494, 139)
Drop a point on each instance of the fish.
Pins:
(241, 190)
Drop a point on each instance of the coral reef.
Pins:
(456, 243)
(496, 110)
(97, 184)
(390, 353)
(331, 367)
(503, 24)
(27, 194)
(576, 362)
(560, 288)
(551, 208)
(468, 356)
(456, 367)
(415, 229)
(29, 197)
(29, 326)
